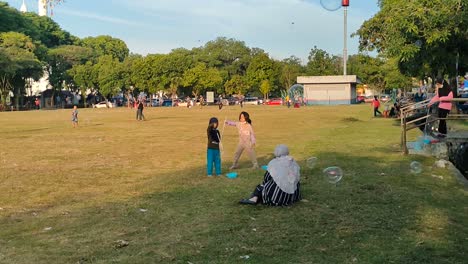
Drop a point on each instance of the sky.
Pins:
(280, 27)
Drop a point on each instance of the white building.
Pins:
(329, 90)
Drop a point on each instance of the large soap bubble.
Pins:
(311, 162)
(333, 174)
(331, 5)
(416, 167)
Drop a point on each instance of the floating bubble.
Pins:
(418, 43)
(311, 162)
(333, 174)
(331, 5)
(416, 167)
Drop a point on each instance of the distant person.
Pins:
(444, 96)
(220, 103)
(202, 101)
(37, 103)
(213, 155)
(140, 107)
(281, 183)
(247, 139)
(241, 101)
(75, 116)
(376, 105)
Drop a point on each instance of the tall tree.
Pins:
(290, 68)
(107, 45)
(424, 35)
(236, 85)
(17, 52)
(201, 78)
(262, 68)
(322, 63)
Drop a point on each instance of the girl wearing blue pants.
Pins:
(213, 154)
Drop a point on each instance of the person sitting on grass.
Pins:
(281, 183)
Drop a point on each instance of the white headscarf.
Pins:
(284, 170)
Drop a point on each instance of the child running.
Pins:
(246, 139)
(213, 154)
(75, 117)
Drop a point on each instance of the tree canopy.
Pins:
(425, 36)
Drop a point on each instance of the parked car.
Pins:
(385, 98)
(275, 101)
(360, 99)
(103, 104)
(369, 99)
(251, 101)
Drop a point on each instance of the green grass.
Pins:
(89, 184)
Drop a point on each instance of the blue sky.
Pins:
(280, 27)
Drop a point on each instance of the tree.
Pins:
(321, 63)
(290, 69)
(109, 76)
(265, 88)
(262, 68)
(236, 85)
(229, 55)
(60, 60)
(107, 45)
(85, 77)
(17, 54)
(200, 78)
(424, 36)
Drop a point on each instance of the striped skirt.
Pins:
(269, 193)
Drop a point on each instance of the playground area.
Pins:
(118, 190)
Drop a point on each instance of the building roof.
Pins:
(328, 79)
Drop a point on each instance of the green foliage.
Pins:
(109, 76)
(425, 36)
(290, 69)
(62, 59)
(18, 63)
(236, 85)
(265, 88)
(322, 63)
(229, 55)
(262, 68)
(107, 45)
(201, 78)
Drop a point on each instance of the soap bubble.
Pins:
(331, 5)
(311, 162)
(416, 167)
(333, 174)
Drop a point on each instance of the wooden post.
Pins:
(405, 148)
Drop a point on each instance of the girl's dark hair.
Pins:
(246, 117)
(213, 121)
(445, 90)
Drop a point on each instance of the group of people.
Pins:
(281, 183)
(389, 110)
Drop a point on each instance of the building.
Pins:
(329, 90)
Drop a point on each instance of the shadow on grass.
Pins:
(379, 213)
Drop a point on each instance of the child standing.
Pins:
(75, 116)
(376, 105)
(213, 154)
(246, 139)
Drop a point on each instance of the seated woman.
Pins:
(281, 185)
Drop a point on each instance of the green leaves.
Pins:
(437, 25)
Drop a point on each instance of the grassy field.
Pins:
(68, 195)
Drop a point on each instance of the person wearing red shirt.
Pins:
(376, 105)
